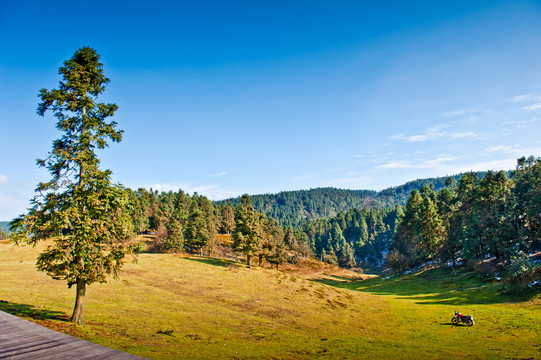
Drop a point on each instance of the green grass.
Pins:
(506, 327)
(172, 306)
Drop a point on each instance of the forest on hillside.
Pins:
(358, 237)
(180, 222)
(342, 227)
(294, 208)
(475, 218)
(469, 218)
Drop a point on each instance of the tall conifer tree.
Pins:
(248, 232)
(79, 209)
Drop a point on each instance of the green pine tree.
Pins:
(248, 232)
(85, 215)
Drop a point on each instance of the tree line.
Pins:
(181, 222)
(475, 218)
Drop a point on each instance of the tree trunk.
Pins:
(260, 260)
(77, 316)
(249, 261)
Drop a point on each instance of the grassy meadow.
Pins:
(169, 306)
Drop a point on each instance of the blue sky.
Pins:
(232, 97)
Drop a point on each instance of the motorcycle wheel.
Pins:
(453, 320)
(469, 322)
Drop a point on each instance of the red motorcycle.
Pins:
(459, 318)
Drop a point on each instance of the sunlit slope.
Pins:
(171, 306)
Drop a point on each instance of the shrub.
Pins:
(520, 274)
(166, 332)
(483, 269)
(397, 261)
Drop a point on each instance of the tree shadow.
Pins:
(30, 311)
(215, 261)
(431, 289)
(337, 280)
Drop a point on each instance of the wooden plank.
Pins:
(21, 339)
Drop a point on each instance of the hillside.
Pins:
(398, 195)
(293, 208)
(172, 306)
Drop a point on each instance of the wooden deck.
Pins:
(21, 339)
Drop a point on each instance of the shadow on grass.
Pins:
(215, 261)
(336, 279)
(431, 288)
(30, 311)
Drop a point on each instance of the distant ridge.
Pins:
(292, 208)
(4, 226)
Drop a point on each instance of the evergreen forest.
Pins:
(294, 208)
(472, 216)
(494, 218)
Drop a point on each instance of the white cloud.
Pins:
(434, 133)
(521, 123)
(501, 148)
(396, 137)
(436, 129)
(441, 165)
(223, 173)
(440, 162)
(514, 150)
(522, 98)
(3, 179)
(418, 138)
(536, 99)
(453, 113)
(532, 107)
(464, 134)
(428, 134)
(399, 164)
